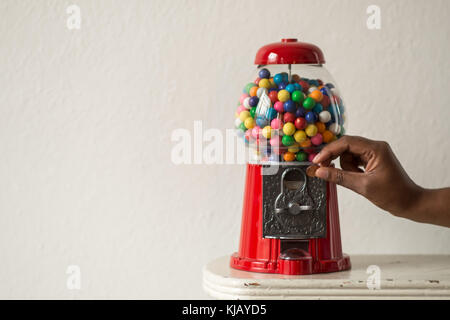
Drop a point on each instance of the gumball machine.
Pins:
(290, 110)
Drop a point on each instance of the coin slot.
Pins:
(293, 180)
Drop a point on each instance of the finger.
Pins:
(351, 180)
(352, 144)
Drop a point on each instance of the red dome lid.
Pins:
(289, 51)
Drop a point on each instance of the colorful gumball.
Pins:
(256, 132)
(267, 132)
(302, 156)
(300, 136)
(309, 103)
(290, 88)
(248, 87)
(264, 83)
(335, 128)
(289, 129)
(244, 115)
(300, 123)
(287, 141)
(289, 156)
(324, 116)
(304, 84)
(257, 81)
(283, 95)
(247, 103)
(264, 73)
(249, 123)
(242, 126)
(289, 106)
(288, 117)
(325, 101)
(240, 109)
(276, 124)
(298, 96)
(311, 130)
(278, 106)
(278, 78)
(305, 143)
(253, 112)
(316, 95)
(242, 98)
(300, 112)
(294, 148)
(327, 136)
(320, 127)
(317, 108)
(253, 91)
(275, 141)
(253, 101)
(317, 139)
(261, 122)
(311, 117)
(273, 96)
(237, 122)
(295, 78)
(311, 156)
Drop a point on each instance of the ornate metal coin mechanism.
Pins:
(294, 207)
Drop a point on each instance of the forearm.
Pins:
(431, 206)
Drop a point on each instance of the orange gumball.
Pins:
(253, 91)
(305, 143)
(327, 136)
(316, 95)
(289, 156)
(320, 127)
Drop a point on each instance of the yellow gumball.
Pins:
(294, 148)
(311, 130)
(244, 115)
(249, 123)
(267, 132)
(289, 129)
(300, 136)
(264, 83)
(283, 95)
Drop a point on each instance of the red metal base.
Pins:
(258, 254)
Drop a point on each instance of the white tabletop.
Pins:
(400, 277)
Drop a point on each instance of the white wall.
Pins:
(86, 117)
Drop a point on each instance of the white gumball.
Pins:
(324, 116)
(335, 128)
(237, 122)
(246, 103)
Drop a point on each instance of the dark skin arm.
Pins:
(371, 169)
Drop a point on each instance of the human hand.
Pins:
(371, 169)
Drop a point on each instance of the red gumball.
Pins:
(325, 102)
(256, 81)
(289, 117)
(273, 95)
(305, 85)
(300, 123)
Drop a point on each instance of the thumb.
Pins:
(349, 179)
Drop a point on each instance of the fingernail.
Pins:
(316, 158)
(322, 173)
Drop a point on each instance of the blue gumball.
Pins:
(290, 88)
(311, 117)
(325, 91)
(253, 101)
(289, 106)
(298, 87)
(278, 78)
(300, 112)
(313, 83)
(264, 74)
(282, 85)
(261, 122)
(318, 108)
(285, 76)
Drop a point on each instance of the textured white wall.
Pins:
(86, 117)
